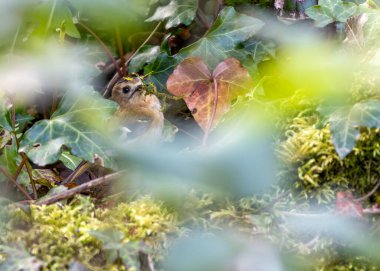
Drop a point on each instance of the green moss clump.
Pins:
(59, 234)
(314, 168)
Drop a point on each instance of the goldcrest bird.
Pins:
(139, 113)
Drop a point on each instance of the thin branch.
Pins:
(212, 117)
(119, 46)
(13, 180)
(23, 155)
(19, 168)
(370, 193)
(29, 171)
(79, 189)
(81, 168)
(104, 46)
(203, 19)
(116, 77)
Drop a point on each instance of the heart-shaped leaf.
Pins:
(77, 124)
(329, 11)
(229, 29)
(177, 12)
(208, 96)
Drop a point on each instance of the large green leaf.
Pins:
(329, 11)
(77, 124)
(345, 121)
(229, 30)
(176, 12)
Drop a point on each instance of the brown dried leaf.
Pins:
(193, 81)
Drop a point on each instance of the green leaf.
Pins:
(5, 137)
(329, 11)
(229, 29)
(77, 124)
(70, 161)
(53, 15)
(176, 12)
(8, 158)
(160, 70)
(343, 133)
(146, 55)
(345, 121)
(5, 120)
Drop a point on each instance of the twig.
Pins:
(370, 193)
(29, 171)
(81, 168)
(117, 76)
(119, 46)
(13, 180)
(23, 155)
(202, 17)
(19, 168)
(79, 189)
(104, 46)
(212, 117)
(54, 104)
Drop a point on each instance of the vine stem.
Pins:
(104, 46)
(117, 76)
(23, 155)
(13, 180)
(212, 117)
(119, 45)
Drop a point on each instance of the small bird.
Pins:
(139, 113)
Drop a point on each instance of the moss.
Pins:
(59, 234)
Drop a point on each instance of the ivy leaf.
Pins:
(77, 124)
(8, 157)
(160, 70)
(343, 133)
(5, 120)
(329, 11)
(229, 29)
(146, 55)
(70, 161)
(53, 15)
(345, 121)
(193, 81)
(177, 12)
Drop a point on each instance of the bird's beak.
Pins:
(136, 89)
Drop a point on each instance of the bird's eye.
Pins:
(126, 89)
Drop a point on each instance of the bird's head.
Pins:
(128, 90)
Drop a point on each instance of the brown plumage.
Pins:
(139, 113)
